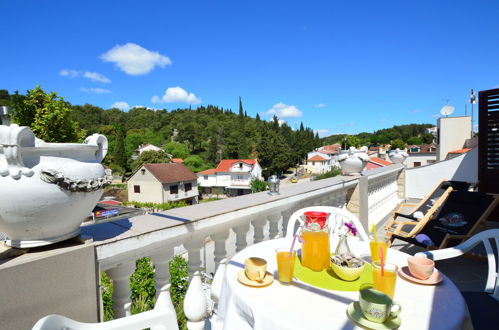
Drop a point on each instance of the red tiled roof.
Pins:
(206, 172)
(171, 172)
(177, 160)
(317, 158)
(226, 164)
(332, 147)
(460, 151)
(380, 161)
(371, 165)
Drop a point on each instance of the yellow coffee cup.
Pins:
(255, 268)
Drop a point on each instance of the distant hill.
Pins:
(408, 134)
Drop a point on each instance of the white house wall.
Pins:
(419, 181)
(423, 158)
(150, 188)
(182, 194)
(211, 180)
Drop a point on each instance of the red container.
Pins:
(316, 217)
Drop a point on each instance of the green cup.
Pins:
(376, 305)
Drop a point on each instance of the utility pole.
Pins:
(472, 101)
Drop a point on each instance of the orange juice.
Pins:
(386, 282)
(375, 249)
(285, 265)
(315, 250)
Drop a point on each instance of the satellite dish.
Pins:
(447, 110)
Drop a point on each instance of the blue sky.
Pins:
(338, 66)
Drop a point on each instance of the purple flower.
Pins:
(351, 228)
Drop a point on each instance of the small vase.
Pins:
(342, 247)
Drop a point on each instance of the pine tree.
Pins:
(119, 149)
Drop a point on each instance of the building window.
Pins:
(206, 177)
(143, 171)
(417, 164)
(431, 161)
(174, 189)
(414, 149)
(313, 163)
(239, 177)
(136, 189)
(188, 187)
(240, 165)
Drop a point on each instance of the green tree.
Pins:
(415, 140)
(177, 150)
(48, 116)
(397, 144)
(150, 157)
(353, 141)
(258, 185)
(120, 157)
(195, 163)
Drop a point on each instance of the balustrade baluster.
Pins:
(161, 262)
(121, 287)
(193, 247)
(286, 214)
(220, 252)
(274, 225)
(258, 225)
(241, 231)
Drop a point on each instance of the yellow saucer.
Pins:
(267, 280)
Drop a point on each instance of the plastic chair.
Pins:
(483, 306)
(337, 219)
(162, 317)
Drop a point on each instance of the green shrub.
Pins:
(258, 185)
(156, 206)
(335, 171)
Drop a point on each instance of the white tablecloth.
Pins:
(301, 306)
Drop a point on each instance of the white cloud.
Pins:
(134, 59)
(320, 105)
(176, 95)
(437, 116)
(282, 110)
(121, 105)
(69, 73)
(95, 90)
(94, 76)
(322, 132)
(350, 123)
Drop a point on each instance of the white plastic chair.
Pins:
(162, 317)
(484, 237)
(337, 219)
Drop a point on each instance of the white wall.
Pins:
(453, 133)
(150, 187)
(210, 182)
(419, 181)
(182, 194)
(423, 158)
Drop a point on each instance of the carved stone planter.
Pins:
(47, 189)
(354, 160)
(397, 156)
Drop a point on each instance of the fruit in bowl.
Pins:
(347, 266)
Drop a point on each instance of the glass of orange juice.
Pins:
(375, 245)
(385, 279)
(285, 264)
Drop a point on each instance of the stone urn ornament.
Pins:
(47, 189)
(397, 156)
(353, 161)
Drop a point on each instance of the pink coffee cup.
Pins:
(421, 268)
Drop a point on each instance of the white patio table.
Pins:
(302, 306)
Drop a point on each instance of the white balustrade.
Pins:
(121, 287)
(161, 262)
(258, 225)
(220, 239)
(216, 220)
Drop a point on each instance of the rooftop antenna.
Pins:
(472, 101)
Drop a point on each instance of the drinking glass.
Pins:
(375, 245)
(384, 280)
(285, 264)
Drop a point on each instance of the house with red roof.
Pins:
(320, 161)
(375, 162)
(232, 177)
(162, 183)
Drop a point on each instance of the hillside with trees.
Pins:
(397, 136)
(201, 136)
